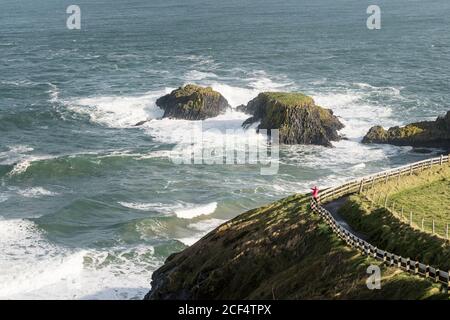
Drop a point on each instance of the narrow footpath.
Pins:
(333, 207)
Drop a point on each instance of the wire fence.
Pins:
(416, 220)
(358, 185)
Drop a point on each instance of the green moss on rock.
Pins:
(419, 134)
(298, 118)
(193, 102)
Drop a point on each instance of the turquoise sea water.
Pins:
(90, 205)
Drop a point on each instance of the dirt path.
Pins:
(333, 207)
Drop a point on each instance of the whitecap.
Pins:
(195, 75)
(119, 112)
(356, 114)
(182, 210)
(3, 198)
(36, 192)
(53, 93)
(196, 210)
(201, 228)
(14, 153)
(142, 206)
(33, 268)
(206, 225)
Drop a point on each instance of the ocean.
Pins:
(90, 205)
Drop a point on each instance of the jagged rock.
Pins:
(419, 134)
(193, 102)
(140, 123)
(298, 118)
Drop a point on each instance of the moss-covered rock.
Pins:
(419, 134)
(280, 251)
(298, 118)
(193, 102)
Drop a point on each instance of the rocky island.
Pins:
(419, 134)
(296, 115)
(193, 102)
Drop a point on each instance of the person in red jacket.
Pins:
(315, 192)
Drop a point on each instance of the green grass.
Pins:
(428, 202)
(290, 98)
(427, 191)
(425, 194)
(191, 89)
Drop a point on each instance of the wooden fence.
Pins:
(408, 216)
(358, 185)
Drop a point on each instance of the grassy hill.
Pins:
(280, 251)
(426, 194)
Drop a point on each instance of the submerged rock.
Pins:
(193, 102)
(298, 118)
(419, 134)
(140, 123)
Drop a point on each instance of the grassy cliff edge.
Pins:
(280, 251)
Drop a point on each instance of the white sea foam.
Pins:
(33, 268)
(36, 192)
(356, 114)
(206, 225)
(180, 209)
(21, 167)
(119, 112)
(53, 93)
(28, 262)
(3, 197)
(195, 75)
(20, 157)
(193, 211)
(201, 228)
(189, 241)
(14, 154)
(160, 207)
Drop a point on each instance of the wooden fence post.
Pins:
(448, 280)
(410, 170)
(373, 182)
(408, 264)
(436, 279)
(416, 267)
(441, 160)
(385, 201)
(446, 232)
(427, 271)
(423, 220)
(361, 186)
(433, 226)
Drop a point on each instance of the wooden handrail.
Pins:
(414, 267)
